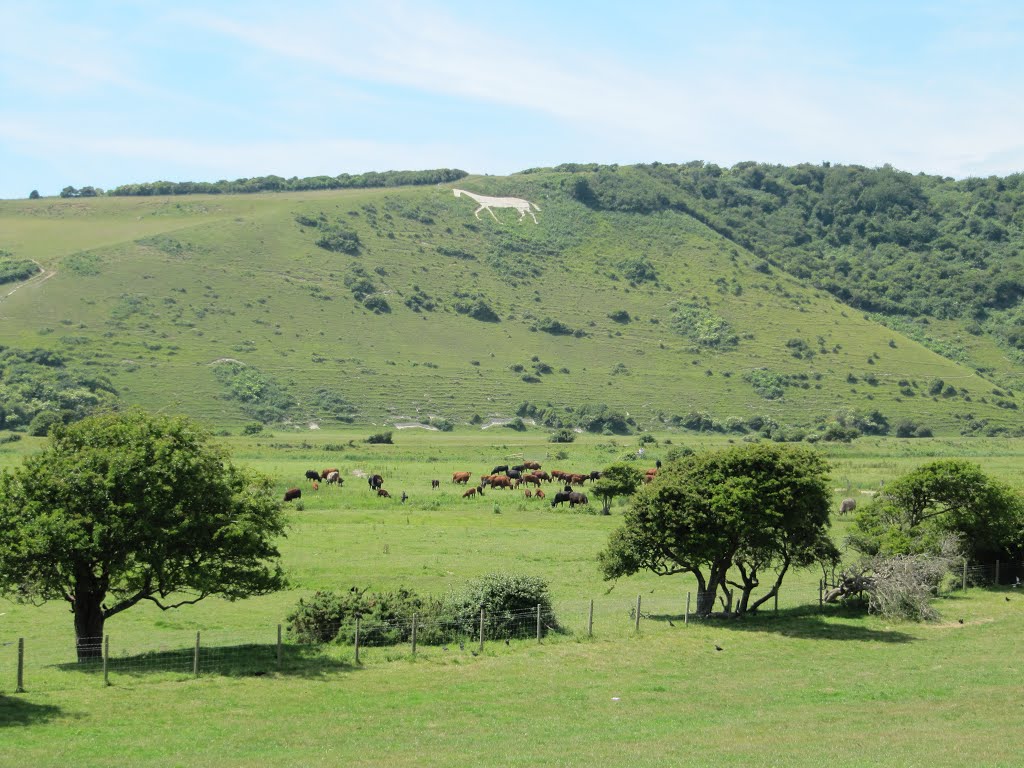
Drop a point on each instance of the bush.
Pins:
(562, 436)
(380, 438)
(509, 602)
(252, 429)
(43, 421)
(385, 617)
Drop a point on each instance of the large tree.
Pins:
(125, 507)
(728, 516)
(616, 480)
(950, 496)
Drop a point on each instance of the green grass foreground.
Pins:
(800, 687)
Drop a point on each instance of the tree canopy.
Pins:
(616, 480)
(950, 496)
(727, 516)
(125, 507)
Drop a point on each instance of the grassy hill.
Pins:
(386, 306)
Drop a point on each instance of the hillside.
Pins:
(386, 306)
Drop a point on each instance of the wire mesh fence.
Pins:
(38, 662)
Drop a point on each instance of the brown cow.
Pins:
(326, 472)
(334, 478)
(576, 479)
(473, 491)
(383, 494)
(539, 493)
(848, 505)
(542, 475)
(292, 493)
(501, 481)
(460, 478)
(528, 494)
(531, 478)
(531, 465)
(316, 486)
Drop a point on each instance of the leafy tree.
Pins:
(33, 195)
(950, 496)
(125, 507)
(744, 509)
(616, 480)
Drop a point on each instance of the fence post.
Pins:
(997, 573)
(637, 626)
(21, 666)
(481, 629)
(686, 616)
(965, 574)
(357, 639)
(279, 649)
(106, 656)
(195, 658)
(590, 620)
(415, 619)
(821, 594)
(538, 622)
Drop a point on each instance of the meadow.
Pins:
(799, 686)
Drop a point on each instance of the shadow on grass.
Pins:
(248, 660)
(17, 711)
(802, 623)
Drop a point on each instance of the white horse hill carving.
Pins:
(487, 203)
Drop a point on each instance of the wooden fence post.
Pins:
(481, 629)
(357, 639)
(415, 619)
(821, 593)
(686, 616)
(965, 574)
(538, 622)
(106, 656)
(279, 649)
(195, 658)
(590, 620)
(21, 666)
(637, 626)
(997, 573)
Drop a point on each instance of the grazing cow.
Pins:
(576, 479)
(312, 474)
(577, 498)
(485, 479)
(557, 474)
(334, 478)
(595, 475)
(471, 491)
(519, 467)
(531, 478)
(316, 486)
(531, 464)
(375, 481)
(650, 474)
(847, 505)
(527, 493)
(500, 468)
(539, 493)
(515, 474)
(326, 472)
(460, 478)
(383, 494)
(435, 483)
(560, 497)
(292, 493)
(542, 475)
(500, 481)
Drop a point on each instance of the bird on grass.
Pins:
(718, 647)
(960, 620)
(506, 641)
(1006, 599)
(670, 623)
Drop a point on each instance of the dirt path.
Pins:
(44, 275)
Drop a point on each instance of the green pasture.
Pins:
(794, 687)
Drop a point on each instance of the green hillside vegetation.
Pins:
(628, 307)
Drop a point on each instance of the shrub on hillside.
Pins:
(562, 436)
(339, 239)
(385, 618)
(380, 438)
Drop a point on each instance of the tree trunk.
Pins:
(89, 618)
(707, 591)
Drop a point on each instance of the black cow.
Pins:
(515, 474)
(500, 469)
(435, 483)
(520, 467)
(375, 481)
(292, 493)
(577, 498)
(334, 478)
(595, 475)
(312, 474)
(560, 497)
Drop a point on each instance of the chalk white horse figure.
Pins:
(486, 203)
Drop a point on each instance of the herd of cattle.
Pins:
(503, 477)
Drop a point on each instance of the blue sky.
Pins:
(106, 93)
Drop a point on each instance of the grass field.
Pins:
(800, 687)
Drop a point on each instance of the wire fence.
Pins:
(34, 661)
